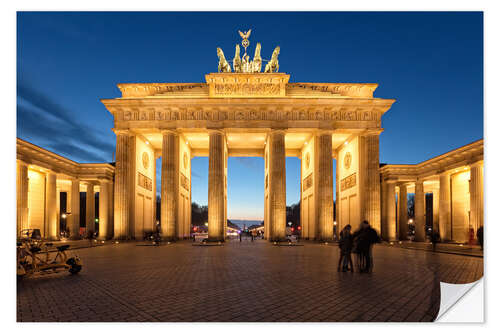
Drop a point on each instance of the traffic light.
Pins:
(298, 228)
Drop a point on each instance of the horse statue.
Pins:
(273, 65)
(237, 60)
(223, 64)
(257, 60)
(246, 64)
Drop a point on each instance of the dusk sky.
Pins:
(431, 63)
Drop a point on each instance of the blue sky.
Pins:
(431, 63)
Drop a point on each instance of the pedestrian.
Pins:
(435, 238)
(479, 235)
(345, 245)
(365, 237)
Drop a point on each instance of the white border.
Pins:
(492, 109)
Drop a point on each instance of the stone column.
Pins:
(325, 187)
(277, 185)
(389, 230)
(444, 206)
(122, 186)
(90, 209)
(403, 212)
(111, 219)
(169, 184)
(419, 211)
(22, 196)
(435, 210)
(74, 218)
(103, 210)
(372, 181)
(337, 196)
(476, 196)
(216, 186)
(51, 207)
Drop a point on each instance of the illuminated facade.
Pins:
(43, 175)
(247, 114)
(250, 114)
(448, 195)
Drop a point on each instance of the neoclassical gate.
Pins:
(246, 114)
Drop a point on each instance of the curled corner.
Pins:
(461, 302)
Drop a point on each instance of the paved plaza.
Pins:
(243, 282)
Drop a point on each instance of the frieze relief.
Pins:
(249, 115)
(185, 182)
(348, 182)
(307, 183)
(144, 181)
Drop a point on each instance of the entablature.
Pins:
(42, 158)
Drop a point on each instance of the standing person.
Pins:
(434, 240)
(345, 245)
(479, 235)
(365, 237)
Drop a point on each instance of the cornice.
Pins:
(463, 156)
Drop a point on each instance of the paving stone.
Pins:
(242, 282)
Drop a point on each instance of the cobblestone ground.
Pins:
(243, 282)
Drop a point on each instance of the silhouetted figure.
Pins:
(435, 238)
(345, 245)
(479, 235)
(365, 237)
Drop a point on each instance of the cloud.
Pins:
(195, 175)
(40, 119)
(249, 162)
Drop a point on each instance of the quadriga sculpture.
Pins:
(237, 60)
(257, 60)
(223, 64)
(273, 65)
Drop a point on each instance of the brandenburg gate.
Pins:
(246, 113)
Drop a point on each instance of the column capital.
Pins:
(216, 130)
(277, 130)
(370, 132)
(169, 131)
(479, 163)
(104, 180)
(324, 132)
(119, 131)
(23, 163)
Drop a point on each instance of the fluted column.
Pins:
(372, 181)
(122, 185)
(74, 218)
(277, 185)
(51, 206)
(476, 196)
(325, 187)
(444, 206)
(169, 184)
(22, 196)
(419, 211)
(90, 209)
(435, 210)
(216, 186)
(403, 212)
(111, 219)
(103, 210)
(389, 230)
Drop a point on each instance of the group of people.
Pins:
(360, 242)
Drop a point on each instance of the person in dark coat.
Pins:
(345, 245)
(435, 238)
(479, 235)
(364, 238)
